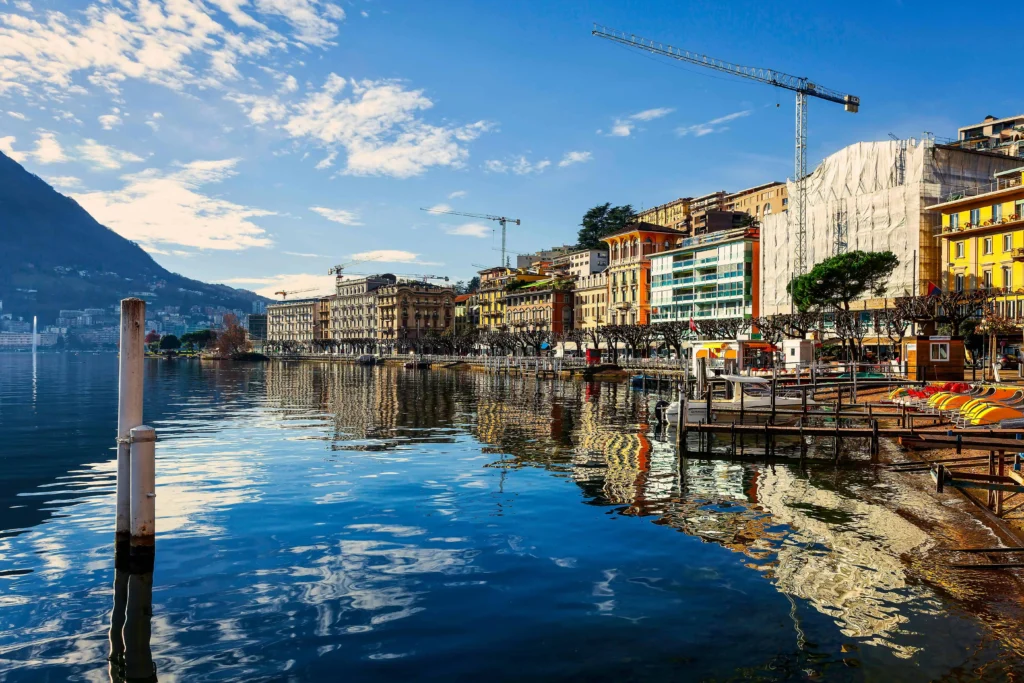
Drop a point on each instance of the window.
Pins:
(954, 221)
(959, 249)
(940, 351)
(987, 279)
(1008, 242)
(1018, 209)
(958, 282)
(975, 216)
(1007, 277)
(988, 245)
(997, 213)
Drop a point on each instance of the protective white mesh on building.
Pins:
(882, 201)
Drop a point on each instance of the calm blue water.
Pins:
(331, 522)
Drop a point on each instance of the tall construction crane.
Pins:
(284, 295)
(801, 86)
(501, 219)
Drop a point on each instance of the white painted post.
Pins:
(143, 478)
(129, 402)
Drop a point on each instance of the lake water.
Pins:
(333, 522)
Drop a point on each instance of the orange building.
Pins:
(629, 270)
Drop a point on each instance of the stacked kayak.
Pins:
(965, 404)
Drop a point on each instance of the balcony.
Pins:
(1011, 221)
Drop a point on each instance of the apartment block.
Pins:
(1002, 136)
(541, 305)
(983, 240)
(409, 311)
(629, 270)
(707, 276)
(590, 301)
(353, 311)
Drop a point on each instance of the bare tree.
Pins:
(673, 333)
(612, 335)
(637, 337)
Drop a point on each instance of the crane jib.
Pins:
(771, 77)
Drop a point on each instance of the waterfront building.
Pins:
(983, 240)
(467, 312)
(874, 196)
(22, 340)
(760, 201)
(410, 310)
(491, 295)
(1002, 136)
(629, 270)
(541, 305)
(581, 262)
(353, 311)
(296, 322)
(257, 325)
(590, 301)
(707, 276)
(674, 214)
(544, 256)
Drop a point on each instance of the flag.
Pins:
(933, 290)
(693, 327)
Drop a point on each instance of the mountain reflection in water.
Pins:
(426, 524)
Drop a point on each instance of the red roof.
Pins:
(462, 297)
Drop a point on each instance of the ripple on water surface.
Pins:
(318, 518)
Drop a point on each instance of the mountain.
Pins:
(54, 255)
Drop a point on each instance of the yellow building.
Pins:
(590, 301)
(983, 240)
(674, 214)
(491, 295)
(760, 201)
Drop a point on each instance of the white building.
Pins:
(583, 262)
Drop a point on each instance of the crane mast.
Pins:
(798, 84)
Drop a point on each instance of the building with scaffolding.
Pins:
(874, 196)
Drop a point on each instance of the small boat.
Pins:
(726, 391)
(366, 359)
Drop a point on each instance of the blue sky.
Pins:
(257, 142)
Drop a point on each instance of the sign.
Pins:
(940, 338)
(911, 346)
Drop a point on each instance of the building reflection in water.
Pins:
(816, 543)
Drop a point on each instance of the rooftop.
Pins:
(643, 227)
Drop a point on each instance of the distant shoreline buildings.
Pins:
(951, 210)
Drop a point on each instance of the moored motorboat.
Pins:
(739, 390)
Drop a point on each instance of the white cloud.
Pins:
(269, 285)
(104, 157)
(173, 43)
(457, 194)
(470, 230)
(158, 208)
(439, 208)
(623, 127)
(289, 84)
(111, 120)
(327, 161)
(651, 114)
(48, 150)
(392, 256)
(23, 5)
(337, 215)
(65, 181)
(314, 22)
(519, 165)
(571, 158)
(154, 121)
(7, 147)
(714, 125)
(302, 254)
(17, 115)
(260, 108)
(376, 124)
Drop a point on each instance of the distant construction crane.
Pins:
(417, 276)
(284, 294)
(501, 219)
(801, 86)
